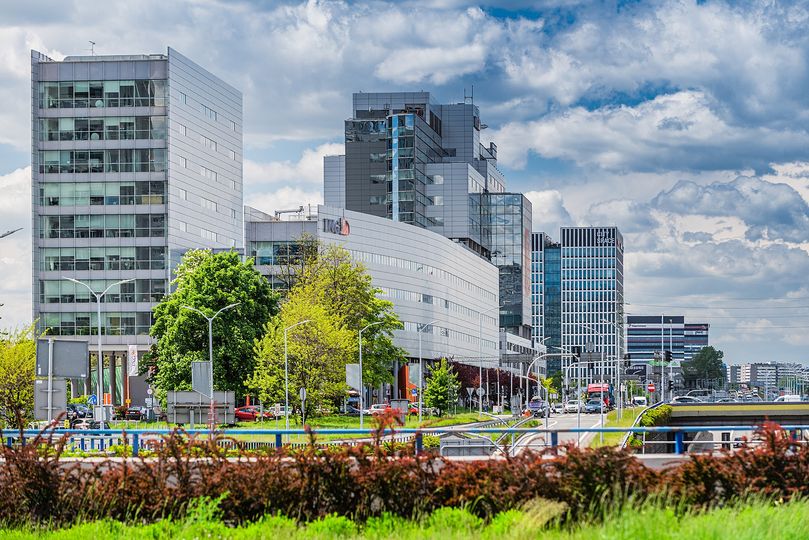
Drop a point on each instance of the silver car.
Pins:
(572, 406)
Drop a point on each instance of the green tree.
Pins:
(344, 288)
(706, 364)
(317, 353)
(209, 282)
(336, 294)
(17, 367)
(442, 387)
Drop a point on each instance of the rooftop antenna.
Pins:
(469, 98)
(92, 48)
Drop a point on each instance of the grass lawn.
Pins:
(323, 422)
(752, 521)
(611, 439)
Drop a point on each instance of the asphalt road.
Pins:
(561, 421)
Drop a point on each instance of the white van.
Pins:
(640, 401)
(789, 398)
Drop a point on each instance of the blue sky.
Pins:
(684, 123)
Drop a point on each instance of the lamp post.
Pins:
(480, 357)
(362, 390)
(617, 370)
(420, 328)
(286, 370)
(99, 296)
(211, 414)
(9, 233)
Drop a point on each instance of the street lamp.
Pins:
(419, 329)
(212, 416)
(9, 233)
(480, 357)
(362, 390)
(617, 369)
(286, 371)
(99, 296)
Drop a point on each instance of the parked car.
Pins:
(538, 407)
(594, 406)
(135, 413)
(251, 413)
(686, 399)
(413, 410)
(377, 408)
(77, 410)
(572, 406)
(351, 411)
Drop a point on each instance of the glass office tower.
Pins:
(578, 292)
(135, 159)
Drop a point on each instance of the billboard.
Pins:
(70, 358)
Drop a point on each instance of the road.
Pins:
(561, 421)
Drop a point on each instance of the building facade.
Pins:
(577, 293)
(413, 160)
(135, 159)
(434, 283)
(651, 334)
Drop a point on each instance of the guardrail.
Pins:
(136, 437)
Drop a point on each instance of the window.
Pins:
(208, 143)
(438, 200)
(184, 162)
(183, 98)
(182, 129)
(207, 203)
(101, 193)
(232, 154)
(182, 225)
(208, 173)
(208, 235)
(232, 125)
(208, 112)
(182, 193)
(233, 213)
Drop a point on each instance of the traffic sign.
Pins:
(92, 399)
(481, 391)
(149, 391)
(650, 387)
(414, 391)
(303, 393)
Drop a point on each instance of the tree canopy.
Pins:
(706, 364)
(337, 296)
(442, 387)
(17, 371)
(208, 282)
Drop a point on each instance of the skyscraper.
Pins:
(410, 159)
(649, 334)
(135, 159)
(577, 292)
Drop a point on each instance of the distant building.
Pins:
(648, 335)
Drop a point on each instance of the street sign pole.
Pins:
(50, 379)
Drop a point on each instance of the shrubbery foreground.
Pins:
(364, 482)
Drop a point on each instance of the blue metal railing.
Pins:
(134, 437)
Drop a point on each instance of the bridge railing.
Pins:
(102, 439)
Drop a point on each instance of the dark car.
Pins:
(134, 413)
(594, 406)
(352, 411)
(77, 410)
(538, 407)
(251, 413)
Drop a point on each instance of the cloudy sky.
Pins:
(684, 123)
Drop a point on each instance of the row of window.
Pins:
(63, 291)
(69, 259)
(412, 296)
(406, 264)
(449, 333)
(102, 161)
(85, 324)
(101, 193)
(99, 94)
(103, 226)
(207, 112)
(106, 128)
